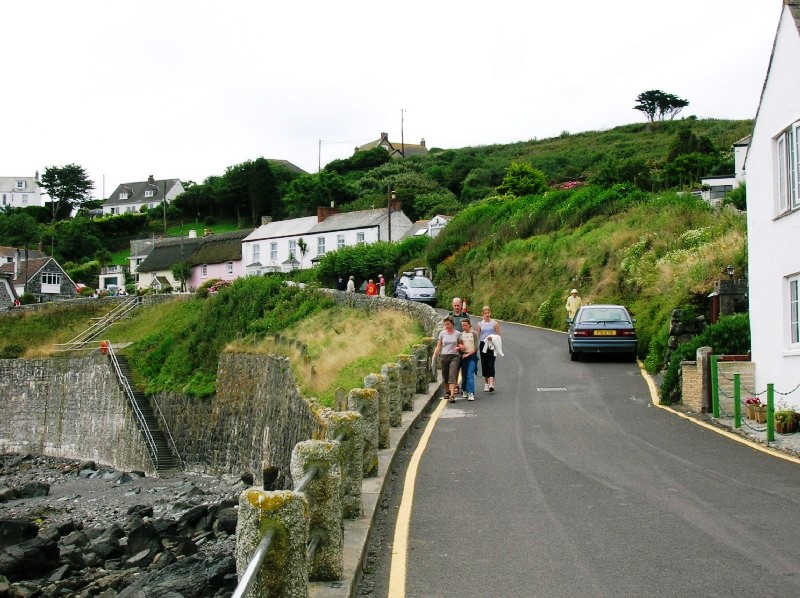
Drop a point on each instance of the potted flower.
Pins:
(785, 421)
(751, 405)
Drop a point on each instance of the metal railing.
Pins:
(79, 342)
(126, 388)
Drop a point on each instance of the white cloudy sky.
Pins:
(186, 88)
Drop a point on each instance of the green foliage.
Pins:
(361, 261)
(729, 336)
(87, 273)
(655, 104)
(523, 179)
(184, 357)
(68, 187)
(737, 197)
(359, 162)
(11, 351)
(19, 229)
(308, 192)
(27, 299)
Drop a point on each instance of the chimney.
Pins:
(385, 137)
(36, 176)
(150, 179)
(395, 205)
(323, 212)
(16, 265)
(266, 220)
(422, 142)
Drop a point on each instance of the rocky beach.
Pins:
(70, 528)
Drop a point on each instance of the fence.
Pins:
(288, 538)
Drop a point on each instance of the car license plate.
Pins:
(605, 332)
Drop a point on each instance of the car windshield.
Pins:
(420, 283)
(613, 314)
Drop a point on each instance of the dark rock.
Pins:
(73, 556)
(6, 493)
(141, 510)
(166, 527)
(88, 464)
(247, 478)
(140, 559)
(193, 518)
(227, 520)
(75, 538)
(144, 538)
(164, 559)
(33, 489)
(59, 574)
(186, 578)
(219, 569)
(15, 531)
(29, 559)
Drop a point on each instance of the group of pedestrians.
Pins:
(372, 287)
(460, 347)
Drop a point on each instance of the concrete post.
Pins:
(381, 384)
(284, 572)
(351, 457)
(408, 384)
(704, 365)
(392, 373)
(365, 401)
(421, 358)
(324, 494)
(431, 344)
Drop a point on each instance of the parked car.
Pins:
(602, 329)
(415, 288)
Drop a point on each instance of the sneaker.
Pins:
(491, 389)
(463, 394)
(471, 397)
(486, 388)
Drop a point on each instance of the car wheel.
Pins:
(574, 356)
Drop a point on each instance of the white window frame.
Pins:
(293, 248)
(21, 184)
(320, 245)
(149, 193)
(53, 278)
(24, 199)
(123, 195)
(203, 270)
(788, 175)
(794, 311)
(273, 250)
(360, 238)
(256, 252)
(339, 241)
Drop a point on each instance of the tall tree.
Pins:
(67, 186)
(523, 179)
(657, 104)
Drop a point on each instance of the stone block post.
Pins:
(392, 373)
(431, 344)
(421, 359)
(704, 365)
(408, 381)
(284, 571)
(324, 494)
(381, 384)
(365, 401)
(351, 457)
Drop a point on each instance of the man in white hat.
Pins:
(573, 303)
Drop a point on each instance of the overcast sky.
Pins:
(185, 88)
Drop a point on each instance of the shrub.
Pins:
(729, 336)
(11, 351)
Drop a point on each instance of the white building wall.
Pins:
(773, 240)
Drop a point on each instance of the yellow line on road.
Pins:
(397, 573)
(735, 437)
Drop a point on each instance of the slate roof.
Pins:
(34, 266)
(350, 220)
(283, 228)
(396, 149)
(287, 165)
(12, 251)
(213, 249)
(136, 192)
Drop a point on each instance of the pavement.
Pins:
(357, 532)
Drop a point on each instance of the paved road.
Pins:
(569, 482)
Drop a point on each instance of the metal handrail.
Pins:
(253, 566)
(96, 328)
(169, 434)
(138, 412)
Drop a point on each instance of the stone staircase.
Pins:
(164, 457)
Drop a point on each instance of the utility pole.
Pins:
(164, 199)
(389, 201)
(319, 156)
(402, 139)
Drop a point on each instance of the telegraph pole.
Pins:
(402, 140)
(389, 197)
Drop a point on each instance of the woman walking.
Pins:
(487, 327)
(468, 345)
(447, 347)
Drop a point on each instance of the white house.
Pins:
(275, 246)
(20, 191)
(130, 197)
(716, 187)
(773, 216)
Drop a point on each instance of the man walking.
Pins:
(573, 303)
(459, 314)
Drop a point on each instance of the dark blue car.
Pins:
(602, 329)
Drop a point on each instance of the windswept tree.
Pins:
(68, 187)
(522, 179)
(656, 104)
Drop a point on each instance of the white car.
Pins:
(416, 288)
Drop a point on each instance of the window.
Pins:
(320, 245)
(24, 199)
(204, 271)
(149, 193)
(293, 249)
(53, 278)
(20, 184)
(360, 238)
(789, 169)
(273, 250)
(123, 195)
(229, 268)
(256, 252)
(794, 311)
(340, 241)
